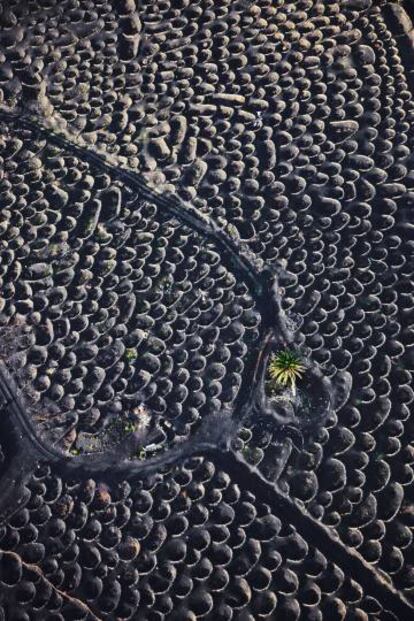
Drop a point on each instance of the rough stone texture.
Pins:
(293, 122)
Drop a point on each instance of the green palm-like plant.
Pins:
(285, 368)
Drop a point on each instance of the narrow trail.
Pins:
(323, 537)
(350, 561)
(274, 326)
(262, 284)
(74, 601)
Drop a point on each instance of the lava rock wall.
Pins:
(291, 124)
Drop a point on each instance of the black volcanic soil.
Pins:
(290, 124)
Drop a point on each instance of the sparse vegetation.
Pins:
(131, 354)
(140, 454)
(129, 428)
(285, 368)
(252, 454)
(232, 231)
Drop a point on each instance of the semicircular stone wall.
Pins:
(291, 125)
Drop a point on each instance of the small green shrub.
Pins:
(140, 454)
(129, 428)
(285, 368)
(131, 354)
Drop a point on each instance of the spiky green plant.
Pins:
(285, 368)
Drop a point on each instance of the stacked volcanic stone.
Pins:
(192, 545)
(126, 305)
(293, 122)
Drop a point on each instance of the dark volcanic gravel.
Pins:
(290, 124)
